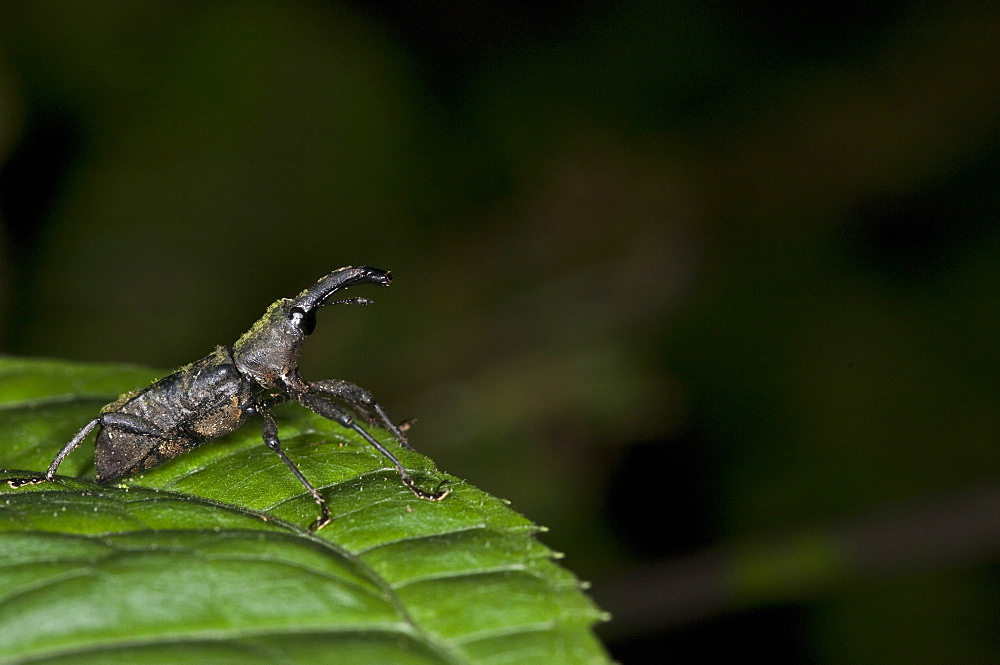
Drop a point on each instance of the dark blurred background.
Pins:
(708, 288)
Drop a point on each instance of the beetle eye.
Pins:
(303, 320)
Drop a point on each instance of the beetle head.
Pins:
(269, 351)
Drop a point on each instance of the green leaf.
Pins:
(207, 558)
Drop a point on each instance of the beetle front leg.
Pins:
(331, 411)
(361, 401)
(270, 434)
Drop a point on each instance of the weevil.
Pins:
(216, 395)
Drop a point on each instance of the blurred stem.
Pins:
(963, 527)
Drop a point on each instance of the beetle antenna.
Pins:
(351, 301)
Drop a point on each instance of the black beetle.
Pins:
(216, 395)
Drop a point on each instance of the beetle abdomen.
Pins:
(118, 452)
(200, 402)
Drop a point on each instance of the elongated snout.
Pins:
(318, 294)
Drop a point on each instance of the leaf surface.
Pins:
(207, 557)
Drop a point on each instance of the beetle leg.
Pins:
(129, 423)
(66, 450)
(266, 403)
(117, 419)
(328, 409)
(361, 401)
(270, 434)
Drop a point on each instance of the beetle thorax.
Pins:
(268, 353)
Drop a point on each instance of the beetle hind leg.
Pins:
(60, 456)
(69, 447)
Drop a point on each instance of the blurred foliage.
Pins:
(671, 276)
